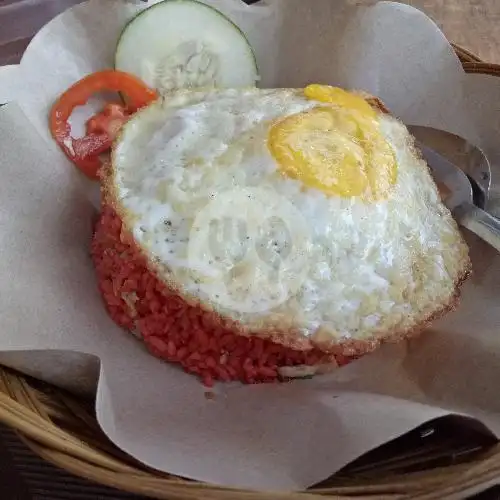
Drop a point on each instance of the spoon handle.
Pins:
(479, 222)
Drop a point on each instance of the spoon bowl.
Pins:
(467, 157)
(458, 195)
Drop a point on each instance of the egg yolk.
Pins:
(336, 147)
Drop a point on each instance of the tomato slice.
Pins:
(108, 121)
(102, 128)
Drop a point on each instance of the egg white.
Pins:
(359, 270)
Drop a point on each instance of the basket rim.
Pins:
(63, 431)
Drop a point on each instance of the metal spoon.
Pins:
(468, 158)
(460, 198)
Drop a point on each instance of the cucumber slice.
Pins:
(186, 44)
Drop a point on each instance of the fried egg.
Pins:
(303, 215)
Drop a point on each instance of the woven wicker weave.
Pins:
(64, 431)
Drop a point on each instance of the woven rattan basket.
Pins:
(63, 430)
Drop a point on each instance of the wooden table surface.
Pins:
(473, 24)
